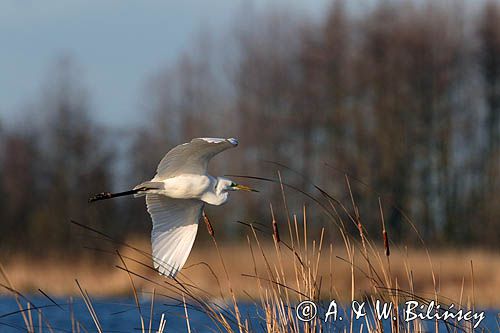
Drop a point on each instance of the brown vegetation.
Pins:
(392, 109)
(452, 269)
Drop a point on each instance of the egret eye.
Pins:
(233, 184)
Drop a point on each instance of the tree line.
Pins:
(402, 98)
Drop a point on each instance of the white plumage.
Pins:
(176, 195)
(192, 157)
(175, 223)
(175, 198)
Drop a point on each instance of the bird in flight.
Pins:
(175, 198)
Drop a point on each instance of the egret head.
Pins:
(226, 185)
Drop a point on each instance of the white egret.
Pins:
(175, 198)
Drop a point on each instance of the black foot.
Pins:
(101, 196)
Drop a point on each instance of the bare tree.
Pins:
(72, 163)
(489, 35)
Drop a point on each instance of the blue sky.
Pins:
(117, 44)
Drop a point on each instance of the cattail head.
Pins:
(384, 233)
(360, 229)
(209, 225)
(276, 233)
(386, 243)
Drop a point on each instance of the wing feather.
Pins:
(192, 157)
(175, 224)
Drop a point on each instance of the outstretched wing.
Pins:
(192, 157)
(175, 223)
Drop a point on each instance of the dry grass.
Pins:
(277, 269)
(451, 267)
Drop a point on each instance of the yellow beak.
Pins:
(244, 188)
